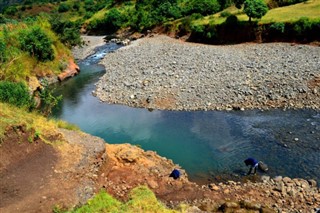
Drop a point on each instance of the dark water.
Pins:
(209, 145)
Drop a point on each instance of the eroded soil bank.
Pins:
(36, 177)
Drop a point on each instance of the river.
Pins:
(209, 145)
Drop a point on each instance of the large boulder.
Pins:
(71, 70)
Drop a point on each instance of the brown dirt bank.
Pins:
(37, 176)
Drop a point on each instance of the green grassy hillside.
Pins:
(108, 16)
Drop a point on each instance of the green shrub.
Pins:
(37, 44)
(277, 27)
(48, 100)
(63, 7)
(232, 20)
(302, 26)
(16, 94)
(11, 10)
(113, 20)
(204, 7)
(68, 31)
(225, 14)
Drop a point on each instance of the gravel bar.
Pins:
(164, 73)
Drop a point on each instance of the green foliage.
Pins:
(63, 7)
(148, 14)
(225, 14)
(68, 31)
(141, 199)
(277, 27)
(37, 44)
(48, 100)
(11, 10)
(204, 7)
(113, 20)
(303, 26)
(16, 94)
(102, 202)
(255, 8)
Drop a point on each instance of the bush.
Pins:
(63, 7)
(11, 10)
(302, 26)
(48, 100)
(231, 20)
(204, 7)
(277, 27)
(37, 44)
(113, 20)
(16, 94)
(225, 14)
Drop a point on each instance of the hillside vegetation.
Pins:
(207, 21)
(30, 48)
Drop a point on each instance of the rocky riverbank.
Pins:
(128, 166)
(164, 73)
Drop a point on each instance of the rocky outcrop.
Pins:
(71, 70)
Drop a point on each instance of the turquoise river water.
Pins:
(209, 145)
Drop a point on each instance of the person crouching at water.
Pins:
(254, 164)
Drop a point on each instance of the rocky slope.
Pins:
(165, 73)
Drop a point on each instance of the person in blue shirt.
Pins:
(175, 174)
(253, 163)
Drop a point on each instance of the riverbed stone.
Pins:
(184, 76)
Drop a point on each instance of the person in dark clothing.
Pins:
(253, 163)
(175, 174)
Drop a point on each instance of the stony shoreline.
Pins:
(164, 73)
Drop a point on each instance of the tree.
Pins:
(255, 8)
(204, 7)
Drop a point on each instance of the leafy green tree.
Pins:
(37, 44)
(255, 8)
(204, 7)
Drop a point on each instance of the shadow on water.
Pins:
(209, 145)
